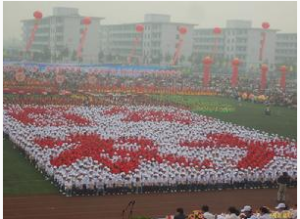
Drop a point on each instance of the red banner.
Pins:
(207, 61)
(32, 36)
(235, 72)
(283, 70)
(263, 77)
(81, 43)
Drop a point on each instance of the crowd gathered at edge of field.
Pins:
(248, 89)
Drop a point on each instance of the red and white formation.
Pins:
(152, 143)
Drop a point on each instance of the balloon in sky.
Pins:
(217, 30)
(38, 15)
(86, 21)
(182, 30)
(265, 25)
(139, 28)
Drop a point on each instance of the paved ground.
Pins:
(110, 207)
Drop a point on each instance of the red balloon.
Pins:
(139, 28)
(183, 30)
(265, 25)
(207, 60)
(87, 21)
(217, 30)
(235, 61)
(283, 68)
(38, 15)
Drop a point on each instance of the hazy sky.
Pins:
(281, 15)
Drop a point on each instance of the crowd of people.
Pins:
(74, 80)
(100, 150)
(100, 133)
(281, 211)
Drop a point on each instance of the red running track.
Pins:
(155, 205)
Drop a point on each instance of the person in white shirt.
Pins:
(206, 213)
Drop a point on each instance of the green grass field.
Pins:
(21, 178)
(283, 121)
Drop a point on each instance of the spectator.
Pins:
(283, 182)
(267, 111)
(233, 213)
(282, 211)
(180, 214)
(206, 213)
(247, 212)
(264, 213)
(294, 211)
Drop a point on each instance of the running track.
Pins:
(110, 207)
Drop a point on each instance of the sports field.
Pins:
(21, 178)
(283, 121)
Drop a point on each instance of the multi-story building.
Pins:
(157, 43)
(61, 33)
(286, 50)
(237, 39)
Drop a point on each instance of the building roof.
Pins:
(171, 23)
(287, 33)
(68, 16)
(226, 28)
